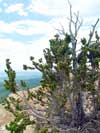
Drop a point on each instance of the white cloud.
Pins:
(33, 27)
(89, 8)
(48, 7)
(5, 27)
(30, 27)
(18, 8)
(26, 27)
(19, 53)
(38, 6)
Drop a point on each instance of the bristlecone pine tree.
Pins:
(66, 78)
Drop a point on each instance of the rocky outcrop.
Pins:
(5, 117)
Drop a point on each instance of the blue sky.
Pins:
(27, 25)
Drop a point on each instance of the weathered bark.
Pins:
(78, 115)
(80, 111)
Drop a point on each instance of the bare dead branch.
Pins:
(70, 23)
(92, 32)
(76, 23)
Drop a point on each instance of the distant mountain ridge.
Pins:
(31, 78)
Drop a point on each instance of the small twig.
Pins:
(62, 31)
